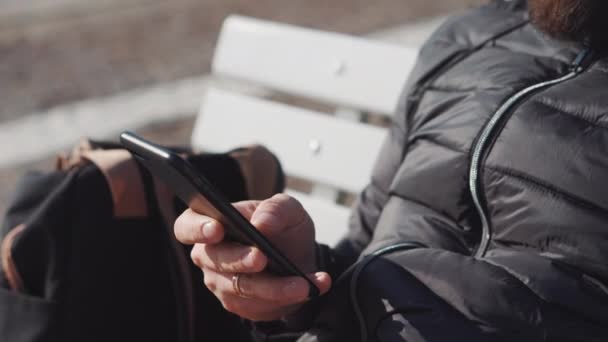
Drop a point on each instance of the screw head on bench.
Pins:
(338, 67)
(315, 146)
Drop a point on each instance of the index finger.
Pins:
(246, 208)
(191, 227)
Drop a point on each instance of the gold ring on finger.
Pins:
(236, 285)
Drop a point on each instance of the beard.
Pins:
(576, 20)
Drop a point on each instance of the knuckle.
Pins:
(222, 267)
(210, 283)
(261, 317)
(254, 319)
(286, 208)
(247, 207)
(257, 267)
(229, 305)
(281, 198)
(225, 264)
(178, 227)
(253, 316)
(187, 228)
(234, 267)
(224, 291)
(228, 260)
(270, 206)
(287, 201)
(259, 264)
(212, 259)
(196, 232)
(195, 256)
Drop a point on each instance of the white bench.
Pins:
(332, 148)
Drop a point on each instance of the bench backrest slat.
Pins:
(335, 68)
(310, 145)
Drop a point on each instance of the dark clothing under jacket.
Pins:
(497, 166)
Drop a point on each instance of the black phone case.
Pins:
(196, 191)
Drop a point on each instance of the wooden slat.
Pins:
(340, 69)
(331, 220)
(310, 145)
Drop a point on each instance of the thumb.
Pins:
(278, 213)
(322, 280)
(246, 208)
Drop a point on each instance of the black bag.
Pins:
(378, 300)
(88, 254)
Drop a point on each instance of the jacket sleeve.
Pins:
(371, 200)
(374, 197)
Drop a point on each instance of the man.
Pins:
(486, 216)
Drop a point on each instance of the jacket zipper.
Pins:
(489, 131)
(413, 100)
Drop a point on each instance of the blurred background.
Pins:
(61, 57)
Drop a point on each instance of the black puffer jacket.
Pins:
(496, 169)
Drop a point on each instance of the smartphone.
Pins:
(200, 195)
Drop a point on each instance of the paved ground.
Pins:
(54, 52)
(111, 46)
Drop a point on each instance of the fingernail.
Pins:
(319, 276)
(263, 218)
(208, 229)
(296, 288)
(248, 258)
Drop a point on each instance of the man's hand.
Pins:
(264, 296)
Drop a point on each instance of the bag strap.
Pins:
(11, 272)
(160, 200)
(124, 180)
(120, 171)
